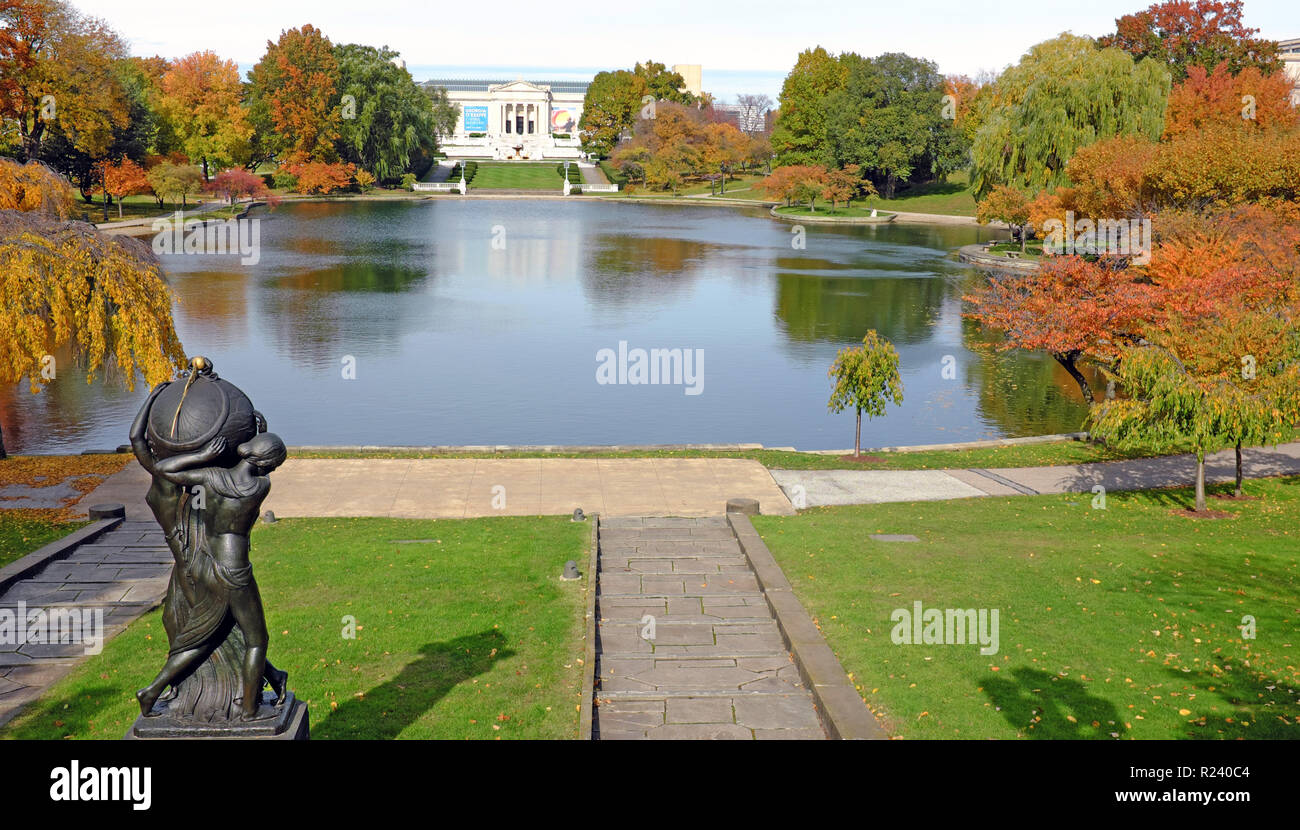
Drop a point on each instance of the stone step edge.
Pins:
(843, 712)
(681, 658)
(687, 595)
(602, 695)
(33, 562)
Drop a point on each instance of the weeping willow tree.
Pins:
(1064, 94)
(63, 284)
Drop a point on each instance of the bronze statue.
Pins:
(210, 456)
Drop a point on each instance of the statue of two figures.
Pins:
(210, 456)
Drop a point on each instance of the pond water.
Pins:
(484, 321)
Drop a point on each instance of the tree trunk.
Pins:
(857, 437)
(1200, 482)
(1023, 237)
(205, 169)
(1069, 361)
(3, 454)
(1239, 489)
(119, 208)
(31, 141)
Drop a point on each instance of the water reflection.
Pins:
(476, 322)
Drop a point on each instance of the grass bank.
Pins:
(23, 531)
(57, 480)
(1114, 623)
(463, 630)
(1017, 455)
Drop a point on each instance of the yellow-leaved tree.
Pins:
(64, 284)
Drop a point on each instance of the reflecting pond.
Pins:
(483, 322)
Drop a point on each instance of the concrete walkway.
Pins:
(439, 171)
(453, 488)
(122, 574)
(470, 487)
(687, 646)
(814, 488)
(591, 173)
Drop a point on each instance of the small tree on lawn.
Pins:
(843, 184)
(866, 378)
(237, 184)
(1005, 204)
(809, 190)
(175, 181)
(1190, 389)
(838, 188)
(122, 179)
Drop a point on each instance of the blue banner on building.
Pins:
(476, 119)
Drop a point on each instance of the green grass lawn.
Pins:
(1019, 455)
(824, 209)
(470, 634)
(1115, 623)
(518, 175)
(1033, 248)
(951, 197)
(23, 531)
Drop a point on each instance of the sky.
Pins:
(743, 45)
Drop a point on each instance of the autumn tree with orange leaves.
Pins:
(122, 178)
(1183, 34)
(1218, 363)
(57, 69)
(292, 98)
(201, 95)
(1204, 339)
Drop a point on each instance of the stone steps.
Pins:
(716, 666)
(121, 574)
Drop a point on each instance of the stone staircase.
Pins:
(687, 647)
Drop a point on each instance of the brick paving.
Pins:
(124, 572)
(716, 667)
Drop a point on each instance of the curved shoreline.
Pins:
(977, 255)
(884, 218)
(142, 225)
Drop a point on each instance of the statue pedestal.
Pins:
(287, 722)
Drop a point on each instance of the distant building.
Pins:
(1290, 53)
(693, 75)
(514, 119)
(745, 121)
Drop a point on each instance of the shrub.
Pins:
(322, 177)
(284, 180)
(408, 181)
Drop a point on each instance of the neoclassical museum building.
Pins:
(514, 119)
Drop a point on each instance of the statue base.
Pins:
(286, 722)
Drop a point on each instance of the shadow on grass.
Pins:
(1039, 704)
(53, 718)
(1268, 704)
(932, 188)
(1168, 479)
(388, 709)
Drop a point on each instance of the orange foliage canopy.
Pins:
(1244, 261)
(319, 177)
(1246, 101)
(122, 179)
